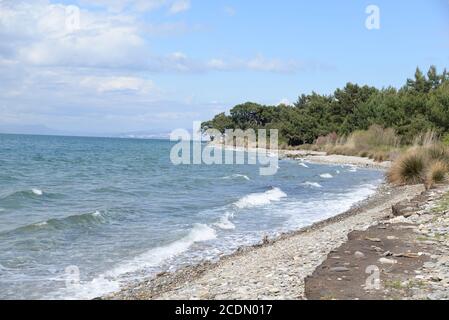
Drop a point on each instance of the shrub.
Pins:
(410, 168)
(436, 173)
(437, 152)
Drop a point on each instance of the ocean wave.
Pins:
(37, 192)
(234, 176)
(16, 198)
(302, 164)
(260, 199)
(320, 209)
(110, 281)
(326, 176)
(225, 222)
(312, 184)
(84, 220)
(32, 193)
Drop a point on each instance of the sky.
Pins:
(115, 66)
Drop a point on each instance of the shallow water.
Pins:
(115, 210)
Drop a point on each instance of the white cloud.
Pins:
(38, 35)
(121, 5)
(111, 84)
(217, 64)
(179, 6)
(257, 63)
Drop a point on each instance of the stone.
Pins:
(339, 269)
(387, 261)
(359, 255)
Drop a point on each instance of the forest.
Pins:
(420, 105)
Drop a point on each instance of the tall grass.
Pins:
(409, 168)
(428, 164)
(376, 143)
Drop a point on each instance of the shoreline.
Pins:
(274, 269)
(317, 157)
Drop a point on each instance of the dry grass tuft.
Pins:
(410, 168)
(436, 173)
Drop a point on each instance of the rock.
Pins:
(406, 255)
(373, 239)
(359, 255)
(387, 254)
(387, 261)
(339, 269)
(403, 209)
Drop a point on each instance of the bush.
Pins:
(437, 173)
(437, 152)
(410, 168)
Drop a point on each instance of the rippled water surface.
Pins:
(117, 210)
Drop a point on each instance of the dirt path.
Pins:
(392, 260)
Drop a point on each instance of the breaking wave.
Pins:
(110, 281)
(260, 199)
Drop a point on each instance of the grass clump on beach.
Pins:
(436, 173)
(427, 163)
(409, 168)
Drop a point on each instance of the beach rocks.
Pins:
(275, 270)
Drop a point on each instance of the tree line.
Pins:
(421, 104)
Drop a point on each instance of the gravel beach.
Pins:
(275, 269)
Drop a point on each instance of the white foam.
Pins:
(225, 223)
(302, 164)
(337, 171)
(96, 214)
(37, 192)
(110, 281)
(305, 213)
(312, 184)
(326, 176)
(41, 224)
(260, 199)
(237, 176)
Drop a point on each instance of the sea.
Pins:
(83, 217)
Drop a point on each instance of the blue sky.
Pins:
(156, 65)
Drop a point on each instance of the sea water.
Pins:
(82, 217)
